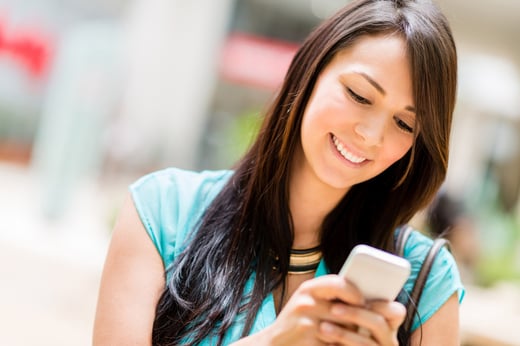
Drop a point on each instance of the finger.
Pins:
(391, 339)
(333, 287)
(302, 305)
(333, 334)
(371, 323)
(393, 312)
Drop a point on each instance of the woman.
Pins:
(354, 145)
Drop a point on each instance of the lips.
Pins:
(349, 156)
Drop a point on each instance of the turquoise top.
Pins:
(171, 201)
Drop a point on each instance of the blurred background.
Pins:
(94, 94)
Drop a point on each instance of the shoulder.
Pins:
(180, 181)
(169, 203)
(443, 280)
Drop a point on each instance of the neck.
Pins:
(310, 200)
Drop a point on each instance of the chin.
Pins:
(337, 182)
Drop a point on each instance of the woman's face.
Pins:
(360, 118)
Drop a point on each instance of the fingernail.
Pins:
(364, 332)
(327, 327)
(339, 310)
(397, 307)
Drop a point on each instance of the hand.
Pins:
(299, 321)
(328, 310)
(377, 323)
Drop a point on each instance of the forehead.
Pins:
(377, 50)
(384, 58)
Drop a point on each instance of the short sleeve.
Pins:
(443, 280)
(170, 202)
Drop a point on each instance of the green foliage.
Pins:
(499, 238)
(240, 134)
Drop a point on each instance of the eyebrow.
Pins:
(380, 88)
(373, 82)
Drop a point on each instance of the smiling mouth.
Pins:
(345, 153)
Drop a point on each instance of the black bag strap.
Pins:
(402, 237)
(422, 277)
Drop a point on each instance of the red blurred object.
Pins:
(256, 61)
(15, 151)
(27, 45)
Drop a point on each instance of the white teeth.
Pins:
(346, 154)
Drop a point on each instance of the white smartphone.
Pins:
(377, 274)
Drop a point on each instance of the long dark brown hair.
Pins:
(250, 220)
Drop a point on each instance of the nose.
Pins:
(371, 129)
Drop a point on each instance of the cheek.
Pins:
(327, 106)
(320, 118)
(398, 149)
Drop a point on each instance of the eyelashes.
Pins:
(358, 98)
(401, 124)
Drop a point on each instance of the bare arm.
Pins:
(131, 284)
(442, 328)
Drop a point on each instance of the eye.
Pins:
(403, 125)
(358, 98)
